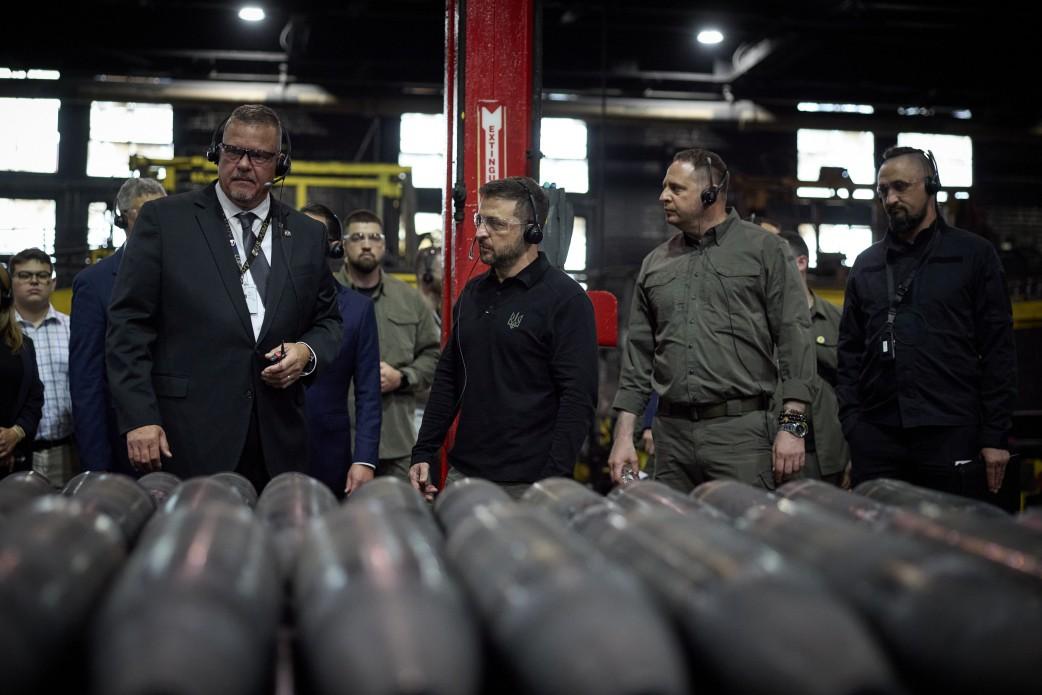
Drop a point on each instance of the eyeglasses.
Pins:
(492, 223)
(256, 156)
(898, 187)
(356, 237)
(26, 276)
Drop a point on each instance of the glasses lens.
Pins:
(256, 156)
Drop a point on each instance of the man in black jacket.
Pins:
(927, 369)
(521, 364)
(222, 305)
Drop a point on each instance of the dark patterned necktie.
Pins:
(259, 267)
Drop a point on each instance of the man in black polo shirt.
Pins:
(520, 367)
(927, 368)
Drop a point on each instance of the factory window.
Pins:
(810, 237)
(118, 130)
(954, 155)
(576, 259)
(848, 149)
(26, 223)
(422, 147)
(428, 223)
(562, 141)
(849, 240)
(563, 145)
(32, 128)
(101, 232)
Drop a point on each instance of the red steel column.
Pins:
(489, 61)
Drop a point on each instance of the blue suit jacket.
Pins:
(329, 424)
(101, 446)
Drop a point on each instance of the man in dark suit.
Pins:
(223, 303)
(98, 439)
(329, 422)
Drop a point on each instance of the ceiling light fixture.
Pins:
(251, 14)
(710, 37)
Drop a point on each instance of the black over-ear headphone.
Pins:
(932, 183)
(282, 164)
(334, 230)
(6, 291)
(118, 218)
(712, 191)
(533, 233)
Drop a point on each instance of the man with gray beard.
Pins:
(927, 369)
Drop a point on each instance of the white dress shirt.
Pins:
(231, 210)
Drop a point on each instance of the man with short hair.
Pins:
(98, 440)
(357, 365)
(223, 306)
(520, 367)
(927, 366)
(409, 338)
(54, 454)
(827, 452)
(712, 309)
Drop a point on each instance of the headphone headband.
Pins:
(712, 191)
(533, 233)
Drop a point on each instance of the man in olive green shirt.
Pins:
(827, 452)
(409, 338)
(712, 308)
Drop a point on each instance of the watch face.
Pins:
(797, 429)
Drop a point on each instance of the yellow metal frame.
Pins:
(1026, 314)
(386, 179)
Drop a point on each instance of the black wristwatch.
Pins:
(405, 381)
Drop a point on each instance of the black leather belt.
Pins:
(731, 408)
(43, 444)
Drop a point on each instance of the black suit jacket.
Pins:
(181, 349)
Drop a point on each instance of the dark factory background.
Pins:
(792, 96)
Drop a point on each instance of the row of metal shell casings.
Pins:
(154, 586)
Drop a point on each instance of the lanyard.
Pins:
(902, 289)
(254, 252)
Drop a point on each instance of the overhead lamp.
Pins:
(251, 14)
(710, 37)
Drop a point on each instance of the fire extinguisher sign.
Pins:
(493, 139)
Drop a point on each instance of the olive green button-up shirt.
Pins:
(410, 342)
(829, 443)
(708, 317)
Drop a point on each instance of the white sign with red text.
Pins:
(493, 149)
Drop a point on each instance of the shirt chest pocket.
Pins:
(398, 338)
(739, 282)
(664, 295)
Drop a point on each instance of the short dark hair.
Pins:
(328, 218)
(893, 152)
(799, 246)
(256, 114)
(27, 255)
(697, 158)
(523, 191)
(362, 216)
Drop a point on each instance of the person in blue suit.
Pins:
(101, 446)
(329, 424)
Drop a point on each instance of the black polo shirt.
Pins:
(955, 362)
(521, 369)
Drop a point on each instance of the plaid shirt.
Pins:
(51, 340)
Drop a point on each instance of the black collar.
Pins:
(529, 275)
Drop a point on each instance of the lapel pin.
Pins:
(287, 233)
